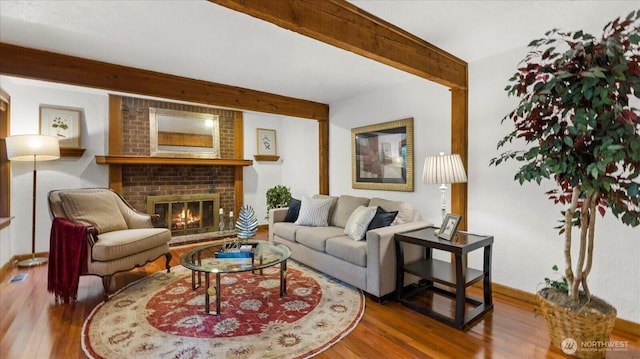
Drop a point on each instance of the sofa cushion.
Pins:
(347, 249)
(285, 230)
(315, 237)
(382, 218)
(314, 212)
(98, 209)
(293, 211)
(358, 222)
(118, 244)
(344, 208)
(405, 209)
(334, 201)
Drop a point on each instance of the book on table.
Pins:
(238, 254)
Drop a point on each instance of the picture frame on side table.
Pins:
(382, 156)
(62, 123)
(449, 226)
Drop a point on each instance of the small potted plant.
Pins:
(580, 132)
(278, 197)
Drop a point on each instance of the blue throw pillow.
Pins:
(382, 219)
(294, 210)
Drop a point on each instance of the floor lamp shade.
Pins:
(33, 148)
(443, 169)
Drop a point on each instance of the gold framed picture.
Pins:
(382, 156)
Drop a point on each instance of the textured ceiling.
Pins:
(201, 40)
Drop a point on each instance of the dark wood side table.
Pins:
(455, 275)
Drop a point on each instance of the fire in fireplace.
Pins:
(186, 214)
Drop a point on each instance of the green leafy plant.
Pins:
(278, 197)
(579, 130)
(560, 284)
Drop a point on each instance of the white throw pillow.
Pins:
(314, 212)
(358, 222)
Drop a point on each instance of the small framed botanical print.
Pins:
(62, 123)
(267, 144)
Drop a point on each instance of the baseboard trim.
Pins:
(21, 257)
(521, 295)
(627, 326)
(622, 325)
(8, 267)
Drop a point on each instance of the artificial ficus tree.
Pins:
(580, 130)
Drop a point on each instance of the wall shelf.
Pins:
(266, 157)
(71, 152)
(147, 160)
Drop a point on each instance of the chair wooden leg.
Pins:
(106, 283)
(168, 265)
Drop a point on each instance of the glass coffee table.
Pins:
(213, 258)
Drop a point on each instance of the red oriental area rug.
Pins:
(160, 316)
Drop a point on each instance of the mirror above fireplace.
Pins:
(183, 134)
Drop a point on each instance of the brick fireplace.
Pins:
(141, 181)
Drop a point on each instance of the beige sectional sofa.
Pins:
(370, 263)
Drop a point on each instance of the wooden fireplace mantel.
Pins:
(147, 160)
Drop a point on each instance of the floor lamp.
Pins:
(32, 148)
(443, 169)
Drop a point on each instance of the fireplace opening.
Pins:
(186, 214)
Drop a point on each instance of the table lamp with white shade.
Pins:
(443, 169)
(34, 148)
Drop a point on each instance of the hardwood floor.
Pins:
(32, 325)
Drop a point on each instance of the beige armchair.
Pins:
(119, 237)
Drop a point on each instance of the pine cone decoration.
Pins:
(247, 223)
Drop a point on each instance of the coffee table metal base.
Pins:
(216, 288)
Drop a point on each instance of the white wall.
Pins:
(297, 168)
(67, 172)
(261, 175)
(5, 245)
(299, 157)
(429, 105)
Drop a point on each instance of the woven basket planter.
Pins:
(589, 329)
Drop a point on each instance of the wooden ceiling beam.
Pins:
(341, 24)
(48, 66)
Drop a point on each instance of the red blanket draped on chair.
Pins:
(67, 258)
